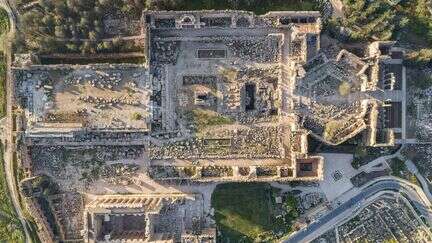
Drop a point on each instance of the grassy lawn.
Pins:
(89, 59)
(400, 170)
(4, 26)
(246, 212)
(10, 227)
(202, 119)
(2, 85)
(256, 6)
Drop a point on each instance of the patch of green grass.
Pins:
(190, 171)
(2, 85)
(202, 119)
(398, 167)
(4, 27)
(10, 226)
(136, 116)
(400, 170)
(246, 212)
(229, 73)
(344, 89)
(331, 129)
(89, 59)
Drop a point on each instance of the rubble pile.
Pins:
(54, 159)
(158, 172)
(264, 83)
(326, 87)
(269, 75)
(216, 22)
(96, 136)
(79, 115)
(309, 201)
(120, 24)
(421, 155)
(336, 106)
(313, 125)
(112, 153)
(335, 112)
(225, 144)
(266, 171)
(98, 79)
(68, 209)
(244, 171)
(119, 173)
(216, 171)
(199, 79)
(164, 23)
(257, 50)
(48, 159)
(165, 52)
(102, 102)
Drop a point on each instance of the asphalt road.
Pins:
(356, 201)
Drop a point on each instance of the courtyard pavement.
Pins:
(337, 174)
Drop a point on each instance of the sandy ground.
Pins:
(67, 100)
(105, 97)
